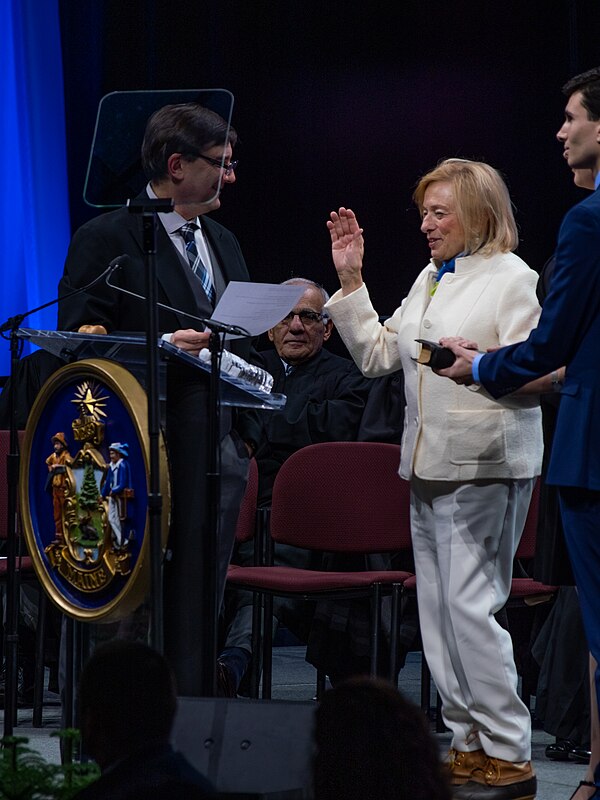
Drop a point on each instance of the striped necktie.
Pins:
(198, 268)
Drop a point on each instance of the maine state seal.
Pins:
(84, 504)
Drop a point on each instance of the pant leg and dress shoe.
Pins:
(568, 750)
(226, 685)
(232, 665)
(580, 754)
(559, 751)
(24, 688)
(499, 780)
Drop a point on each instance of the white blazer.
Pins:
(451, 432)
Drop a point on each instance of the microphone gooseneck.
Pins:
(211, 324)
(12, 323)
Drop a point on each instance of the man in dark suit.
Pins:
(187, 156)
(568, 334)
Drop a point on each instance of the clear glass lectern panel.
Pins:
(130, 351)
(115, 173)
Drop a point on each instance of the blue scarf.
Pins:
(446, 266)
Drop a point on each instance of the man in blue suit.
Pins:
(568, 334)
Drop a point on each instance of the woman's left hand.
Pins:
(461, 371)
(446, 341)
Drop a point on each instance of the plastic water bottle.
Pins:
(237, 367)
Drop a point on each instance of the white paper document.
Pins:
(256, 306)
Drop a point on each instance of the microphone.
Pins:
(12, 323)
(212, 324)
(115, 264)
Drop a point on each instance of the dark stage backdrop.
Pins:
(347, 103)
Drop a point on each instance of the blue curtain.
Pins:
(34, 217)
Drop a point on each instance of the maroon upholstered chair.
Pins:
(526, 592)
(246, 531)
(246, 524)
(335, 497)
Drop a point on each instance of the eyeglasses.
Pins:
(215, 162)
(305, 316)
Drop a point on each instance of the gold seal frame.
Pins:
(116, 380)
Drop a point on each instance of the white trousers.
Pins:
(464, 538)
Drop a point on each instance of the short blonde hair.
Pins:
(483, 204)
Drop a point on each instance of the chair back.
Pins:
(4, 452)
(526, 548)
(246, 524)
(342, 497)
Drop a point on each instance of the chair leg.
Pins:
(68, 630)
(2, 629)
(425, 687)
(528, 688)
(321, 679)
(40, 667)
(375, 625)
(395, 623)
(440, 726)
(255, 670)
(267, 672)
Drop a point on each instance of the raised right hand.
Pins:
(347, 248)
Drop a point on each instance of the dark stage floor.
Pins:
(294, 680)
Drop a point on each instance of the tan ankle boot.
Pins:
(461, 764)
(496, 779)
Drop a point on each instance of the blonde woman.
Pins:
(471, 460)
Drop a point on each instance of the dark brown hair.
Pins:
(588, 83)
(185, 128)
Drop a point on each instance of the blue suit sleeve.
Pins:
(475, 367)
(570, 312)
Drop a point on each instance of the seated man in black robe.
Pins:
(326, 401)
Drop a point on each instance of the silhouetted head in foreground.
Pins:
(127, 700)
(372, 742)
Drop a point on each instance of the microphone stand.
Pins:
(210, 566)
(148, 209)
(11, 636)
(213, 483)
(211, 324)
